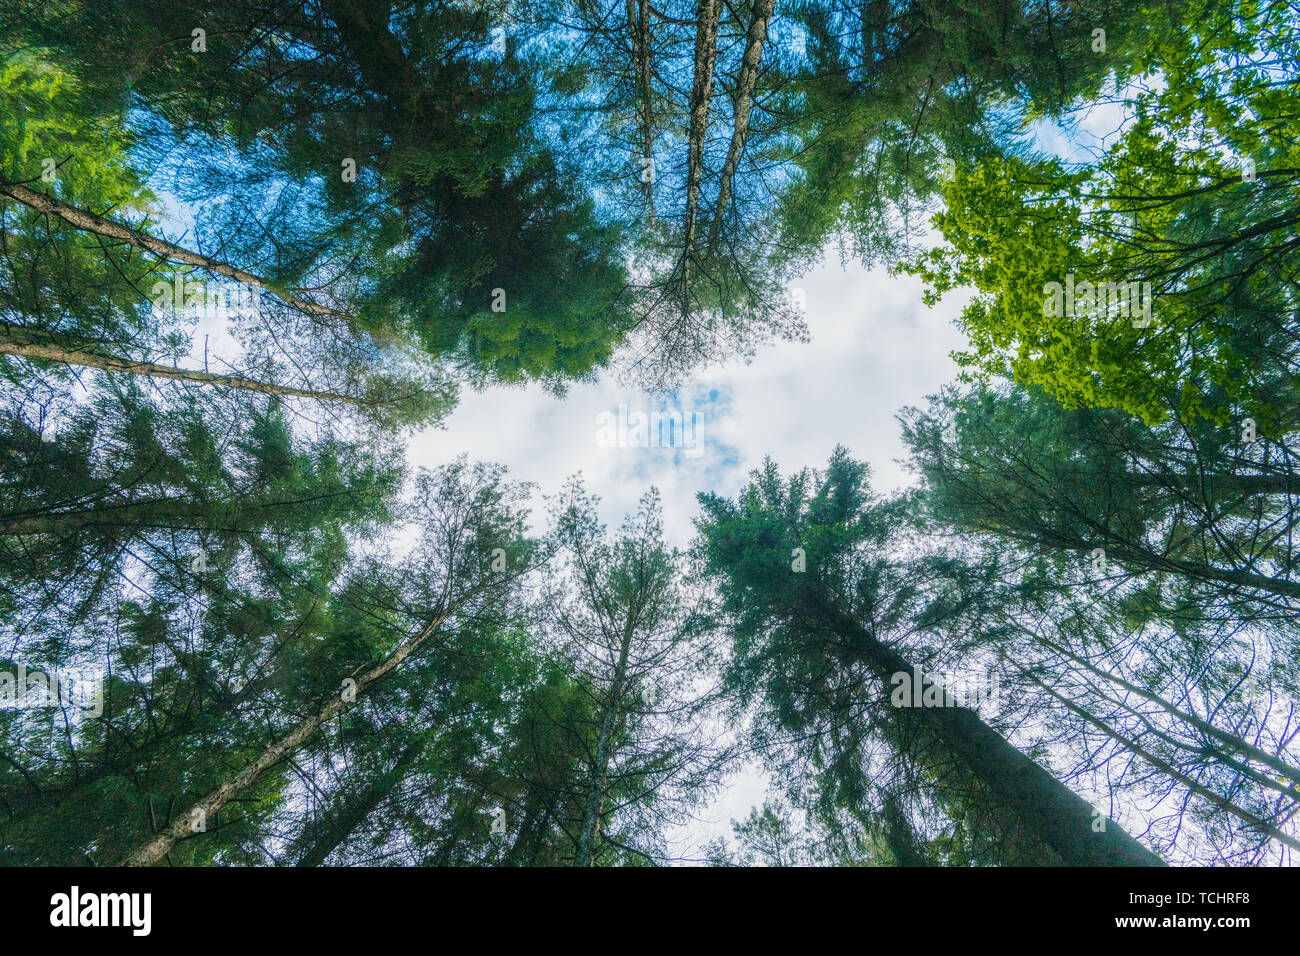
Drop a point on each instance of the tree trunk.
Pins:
(638, 19)
(706, 52)
(13, 342)
(948, 738)
(600, 769)
(89, 222)
(745, 85)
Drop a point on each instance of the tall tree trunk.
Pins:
(638, 19)
(706, 52)
(600, 768)
(89, 222)
(157, 848)
(45, 348)
(954, 738)
(745, 85)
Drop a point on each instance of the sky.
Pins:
(874, 348)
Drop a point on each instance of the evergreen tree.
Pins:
(629, 627)
(819, 603)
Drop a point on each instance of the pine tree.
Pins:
(819, 604)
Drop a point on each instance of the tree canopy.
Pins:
(252, 250)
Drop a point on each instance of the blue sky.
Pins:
(874, 348)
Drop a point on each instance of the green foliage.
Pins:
(225, 558)
(1171, 204)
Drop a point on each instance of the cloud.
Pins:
(874, 348)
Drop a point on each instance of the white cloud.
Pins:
(875, 348)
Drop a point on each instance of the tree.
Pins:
(680, 89)
(173, 555)
(92, 291)
(884, 92)
(629, 627)
(1133, 585)
(1188, 499)
(1155, 277)
(464, 512)
(776, 836)
(816, 654)
(383, 170)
